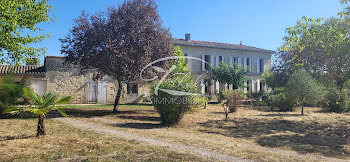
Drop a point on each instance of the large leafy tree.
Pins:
(18, 29)
(323, 49)
(119, 42)
(301, 87)
(40, 105)
(346, 10)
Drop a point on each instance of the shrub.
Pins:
(256, 96)
(10, 92)
(277, 98)
(200, 101)
(284, 103)
(233, 99)
(171, 108)
(220, 96)
(336, 100)
(347, 85)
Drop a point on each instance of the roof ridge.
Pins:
(22, 69)
(210, 41)
(225, 45)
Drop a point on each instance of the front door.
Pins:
(92, 96)
(102, 92)
(98, 92)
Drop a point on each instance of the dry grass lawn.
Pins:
(18, 143)
(254, 133)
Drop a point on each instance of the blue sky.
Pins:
(259, 23)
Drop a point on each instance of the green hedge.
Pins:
(10, 92)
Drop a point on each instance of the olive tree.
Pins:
(301, 88)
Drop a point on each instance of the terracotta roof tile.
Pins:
(22, 70)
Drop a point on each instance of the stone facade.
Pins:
(68, 80)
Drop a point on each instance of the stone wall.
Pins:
(112, 91)
(65, 83)
(67, 80)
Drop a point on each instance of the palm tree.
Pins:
(40, 105)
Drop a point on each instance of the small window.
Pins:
(132, 89)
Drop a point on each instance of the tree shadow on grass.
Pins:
(10, 138)
(23, 115)
(83, 113)
(280, 115)
(89, 113)
(71, 112)
(137, 104)
(263, 108)
(140, 125)
(326, 139)
(140, 118)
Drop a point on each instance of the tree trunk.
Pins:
(302, 107)
(41, 131)
(117, 97)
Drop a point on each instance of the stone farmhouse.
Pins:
(63, 79)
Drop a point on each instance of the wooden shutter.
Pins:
(203, 62)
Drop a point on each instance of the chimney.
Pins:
(241, 43)
(187, 36)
